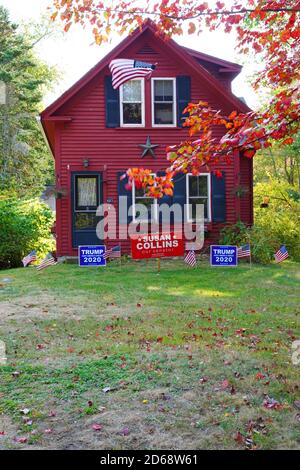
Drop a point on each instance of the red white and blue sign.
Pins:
(223, 255)
(91, 255)
(157, 245)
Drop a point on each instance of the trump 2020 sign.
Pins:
(157, 245)
(223, 255)
(91, 255)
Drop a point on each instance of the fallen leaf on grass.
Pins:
(239, 438)
(21, 440)
(97, 427)
(124, 432)
(272, 404)
(224, 384)
(25, 411)
(16, 373)
(203, 380)
(48, 431)
(260, 376)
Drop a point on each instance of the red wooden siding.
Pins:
(115, 149)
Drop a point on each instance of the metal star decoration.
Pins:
(148, 147)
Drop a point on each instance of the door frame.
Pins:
(99, 174)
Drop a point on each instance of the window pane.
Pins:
(132, 113)
(193, 205)
(86, 191)
(132, 91)
(198, 185)
(163, 113)
(85, 221)
(202, 185)
(163, 90)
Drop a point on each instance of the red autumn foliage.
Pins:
(267, 28)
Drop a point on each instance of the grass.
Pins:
(188, 357)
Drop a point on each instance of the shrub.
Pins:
(280, 220)
(276, 223)
(24, 226)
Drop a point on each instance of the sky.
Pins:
(74, 53)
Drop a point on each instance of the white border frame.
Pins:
(208, 175)
(133, 207)
(173, 79)
(224, 265)
(142, 80)
(93, 265)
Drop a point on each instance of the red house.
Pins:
(96, 132)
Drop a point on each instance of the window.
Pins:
(139, 197)
(198, 192)
(86, 201)
(163, 102)
(132, 103)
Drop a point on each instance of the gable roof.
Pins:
(183, 53)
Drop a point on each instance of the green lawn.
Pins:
(192, 357)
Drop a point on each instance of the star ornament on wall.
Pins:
(148, 148)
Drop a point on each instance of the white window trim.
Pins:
(142, 102)
(173, 79)
(155, 201)
(208, 177)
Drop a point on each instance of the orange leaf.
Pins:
(192, 28)
(67, 27)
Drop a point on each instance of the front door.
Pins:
(86, 197)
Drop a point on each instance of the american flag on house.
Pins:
(190, 258)
(29, 258)
(114, 252)
(48, 261)
(244, 251)
(123, 70)
(281, 254)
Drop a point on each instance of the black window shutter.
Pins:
(112, 104)
(179, 194)
(183, 86)
(124, 218)
(218, 198)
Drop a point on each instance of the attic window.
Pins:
(163, 102)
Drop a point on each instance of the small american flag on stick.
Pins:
(123, 70)
(29, 258)
(114, 252)
(244, 251)
(48, 261)
(281, 254)
(190, 258)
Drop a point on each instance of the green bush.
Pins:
(24, 226)
(281, 218)
(277, 223)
